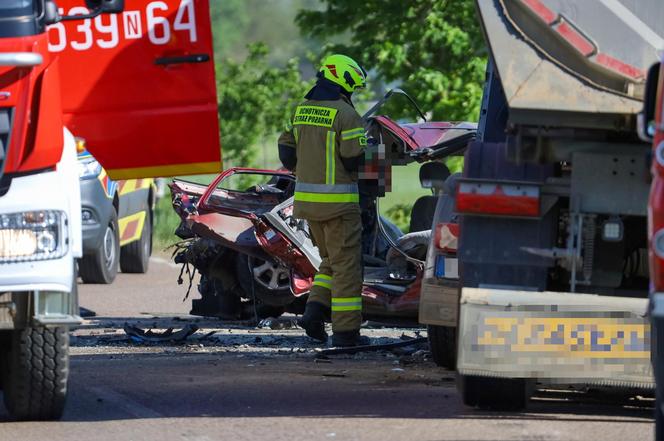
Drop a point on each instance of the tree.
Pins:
(255, 99)
(433, 50)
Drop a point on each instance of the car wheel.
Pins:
(443, 345)
(101, 266)
(135, 257)
(271, 281)
(35, 371)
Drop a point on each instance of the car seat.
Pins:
(432, 175)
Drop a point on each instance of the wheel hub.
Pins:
(271, 275)
(109, 246)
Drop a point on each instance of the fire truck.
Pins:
(651, 129)
(135, 83)
(553, 204)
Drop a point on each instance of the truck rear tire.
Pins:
(35, 372)
(135, 257)
(443, 345)
(508, 394)
(102, 265)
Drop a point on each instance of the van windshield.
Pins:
(17, 8)
(20, 18)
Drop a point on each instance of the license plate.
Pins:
(592, 337)
(447, 267)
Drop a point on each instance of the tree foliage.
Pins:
(433, 50)
(255, 100)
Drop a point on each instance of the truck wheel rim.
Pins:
(270, 275)
(109, 247)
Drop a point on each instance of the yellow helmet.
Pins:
(345, 72)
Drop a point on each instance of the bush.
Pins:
(399, 214)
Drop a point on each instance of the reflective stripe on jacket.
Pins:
(324, 132)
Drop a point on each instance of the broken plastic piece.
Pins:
(139, 335)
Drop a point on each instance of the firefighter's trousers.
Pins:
(338, 283)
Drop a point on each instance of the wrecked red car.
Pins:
(256, 259)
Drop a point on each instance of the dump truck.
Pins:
(553, 202)
(136, 85)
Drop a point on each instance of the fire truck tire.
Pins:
(102, 265)
(508, 394)
(262, 273)
(35, 373)
(442, 344)
(135, 257)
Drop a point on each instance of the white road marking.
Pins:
(123, 402)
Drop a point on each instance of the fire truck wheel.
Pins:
(102, 265)
(135, 257)
(509, 394)
(35, 373)
(442, 343)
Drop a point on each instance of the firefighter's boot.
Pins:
(313, 321)
(349, 339)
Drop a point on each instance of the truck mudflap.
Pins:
(556, 338)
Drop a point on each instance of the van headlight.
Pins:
(88, 168)
(33, 235)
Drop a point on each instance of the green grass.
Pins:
(405, 191)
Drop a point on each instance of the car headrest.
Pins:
(433, 175)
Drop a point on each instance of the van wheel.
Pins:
(35, 371)
(135, 257)
(493, 393)
(443, 346)
(102, 265)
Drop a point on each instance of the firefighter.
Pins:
(324, 143)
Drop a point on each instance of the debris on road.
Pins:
(139, 335)
(372, 348)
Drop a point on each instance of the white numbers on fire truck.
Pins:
(186, 8)
(108, 30)
(84, 29)
(159, 30)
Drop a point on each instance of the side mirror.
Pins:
(96, 7)
(647, 116)
(51, 15)
(106, 6)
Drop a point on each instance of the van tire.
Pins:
(101, 266)
(443, 345)
(135, 257)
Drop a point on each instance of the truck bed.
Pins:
(559, 65)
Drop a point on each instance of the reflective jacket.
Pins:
(322, 133)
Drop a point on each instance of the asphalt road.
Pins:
(239, 383)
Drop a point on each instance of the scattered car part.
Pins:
(139, 335)
(371, 348)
